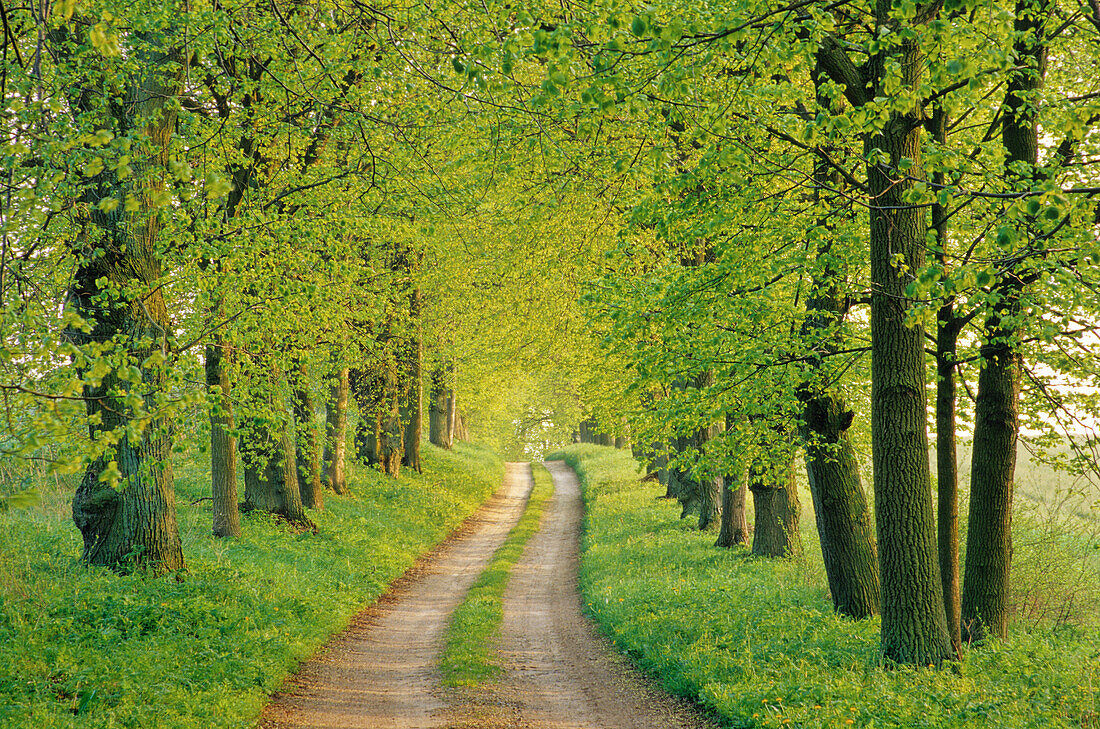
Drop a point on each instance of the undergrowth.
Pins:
(756, 640)
(469, 655)
(85, 647)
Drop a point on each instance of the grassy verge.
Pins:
(469, 657)
(756, 640)
(84, 647)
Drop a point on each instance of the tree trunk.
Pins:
(462, 431)
(308, 447)
(412, 408)
(452, 416)
(366, 387)
(996, 412)
(775, 498)
(223, 445)
(336, 433)
(735, 522)
(117, 289)
(391, 433)
(271, 474)
(947, 470)
(914, 625)
(440, 400)
(841, 512)
(840, 507)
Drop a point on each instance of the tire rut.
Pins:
(558, 672)
(381, 672)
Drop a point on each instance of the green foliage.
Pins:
(469, 655)
(757, 641)
(85, 647)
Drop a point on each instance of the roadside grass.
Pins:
(756, 640)
(84, 647)
(469, 656)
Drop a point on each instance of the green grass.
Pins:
(84, 647)
(469, 654)
(756, 640)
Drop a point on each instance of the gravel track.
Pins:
(558, 673)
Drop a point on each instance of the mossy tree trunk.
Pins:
(412, 407)
(734, 528)
(124, 505)
(269, 453)
(366, 389)
(841, 510)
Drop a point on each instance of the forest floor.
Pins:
(557, 672)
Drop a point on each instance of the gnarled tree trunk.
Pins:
(124, 506)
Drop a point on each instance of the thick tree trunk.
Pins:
(223, 445)
(308, 443)
(914, 625)
(117, 289)
(391, 433)
(992, 471)
(775, 498)
(440, 399)
(735, 521)
(585, 429)
(841, 510)
(996, 412)
(336, 433)
(271, 473)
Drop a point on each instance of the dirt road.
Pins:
(558, 673)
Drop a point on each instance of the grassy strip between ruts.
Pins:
(757, 642)
(84, 647)
(469, 657)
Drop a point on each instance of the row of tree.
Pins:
(912, 181)
(334, 201)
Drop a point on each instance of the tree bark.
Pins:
(412, 409)
(440, 399)
(947, 470)
(914, 625)
(366, 387)
(996, 412)
(336, 432)
(734, 528)
(271, 474)
(223, 445)
(775, 498)
(841, 510)
(308, 443)
(117, 289)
